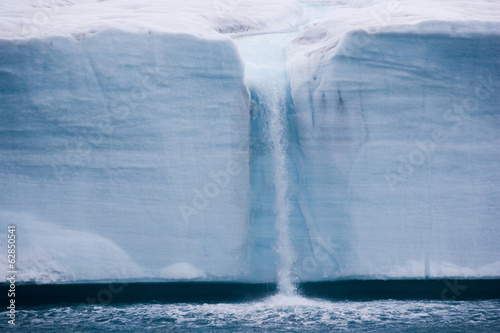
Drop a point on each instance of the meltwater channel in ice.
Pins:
(266, 77)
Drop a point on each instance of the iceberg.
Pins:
(240, 141)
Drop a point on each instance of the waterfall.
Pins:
(266, 76)
(275, 100)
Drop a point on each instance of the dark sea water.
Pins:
(272, 314)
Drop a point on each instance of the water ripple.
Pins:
(274, 314)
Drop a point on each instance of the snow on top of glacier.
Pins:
(204, 19)
(319, 40)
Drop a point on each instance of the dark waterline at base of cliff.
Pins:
(354, 305)
(28, 295)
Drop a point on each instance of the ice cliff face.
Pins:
(154, 150)
(134, 144)
(136, 133)
(396, 115)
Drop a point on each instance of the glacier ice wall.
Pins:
(397, 126)
(135, 143)
(140, 138)
(125, 131)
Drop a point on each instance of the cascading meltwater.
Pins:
(276, 108)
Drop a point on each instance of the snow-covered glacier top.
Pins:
(319, 39)
(205, 19)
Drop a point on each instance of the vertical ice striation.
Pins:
(397, 134)
(145, 149)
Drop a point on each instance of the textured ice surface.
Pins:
(130, 146)
(397, 121)
(137, 136)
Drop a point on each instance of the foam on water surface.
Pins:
(278, 313)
